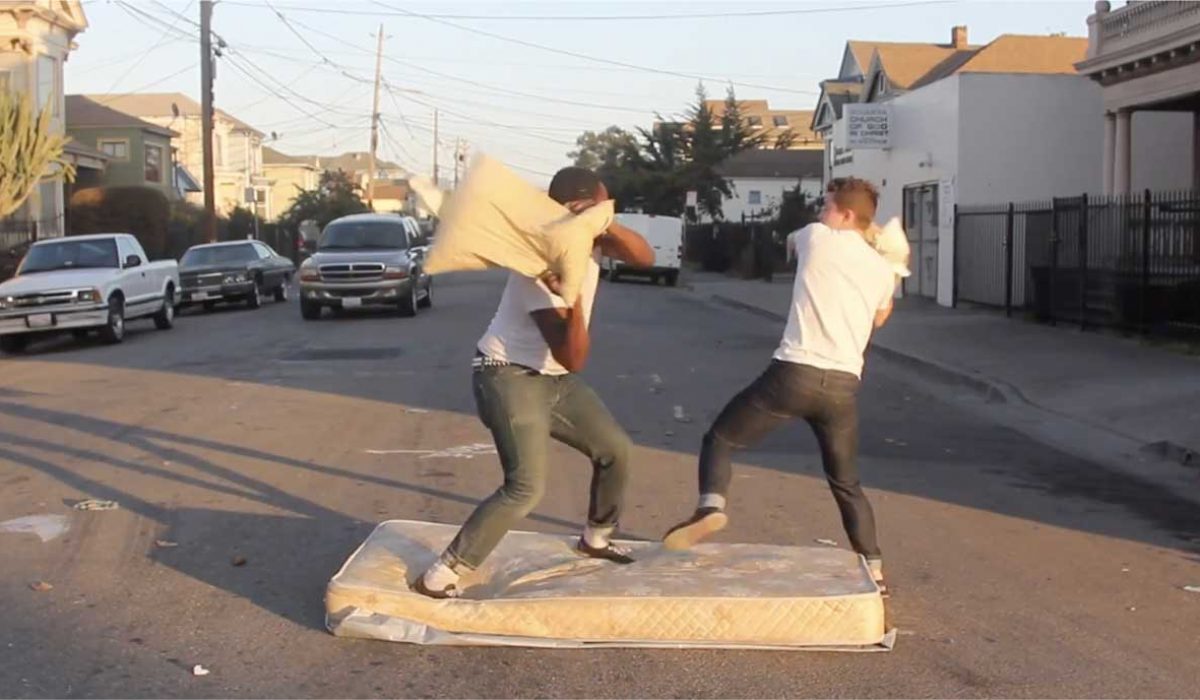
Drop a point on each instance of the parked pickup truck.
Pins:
(363, 260)
(85, 283)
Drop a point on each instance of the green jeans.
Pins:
(524, 409)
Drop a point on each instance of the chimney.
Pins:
(958, 37)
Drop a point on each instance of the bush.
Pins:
(141, 211)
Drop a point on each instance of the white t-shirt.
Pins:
(841, 282)
(514, 337)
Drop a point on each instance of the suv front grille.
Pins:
(352, 272)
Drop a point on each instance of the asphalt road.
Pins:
(1017, 570)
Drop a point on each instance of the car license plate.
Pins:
(199, 296)
(351, 303)
(40, 321)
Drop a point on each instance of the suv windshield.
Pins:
(70, 255)
(219, 255)
(363, 234)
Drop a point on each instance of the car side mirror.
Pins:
(132, 261)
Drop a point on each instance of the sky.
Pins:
(517, 80)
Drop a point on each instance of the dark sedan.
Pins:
(235, 272)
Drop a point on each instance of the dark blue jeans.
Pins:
(828, 401)
(524, 409)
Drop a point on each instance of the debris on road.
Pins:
(1192, 589)
(826, 542)
(165, 544)
(238, 561)
(669, 433)
(656, 379)
(681, 416)
(46, 527)
(415, 410)
(96, 504)
(199, 670)
(41, 586)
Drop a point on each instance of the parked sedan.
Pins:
(235, 272)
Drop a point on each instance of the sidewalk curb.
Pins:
(990, 390)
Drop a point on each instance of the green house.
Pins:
(139, 153)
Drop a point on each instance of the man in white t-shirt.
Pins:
(843, 291)
(527, 391)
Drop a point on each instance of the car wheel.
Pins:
(113, 331)
(254, 300)
(165, 318)
(14, 344)
(427, 302)
(672, 279)
(310, 311)
(281, 294)
(408, 305)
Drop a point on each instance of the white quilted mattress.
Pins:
(535, 591)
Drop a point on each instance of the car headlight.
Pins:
(309, 272)
(235, 278)
(88, 296)
(7, 303)
(394, 272)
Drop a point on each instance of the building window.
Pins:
(48, 84)
(755, 197)
(116, 149)
(154, 162)
(754, 122)
(780, 120)
(218, 150)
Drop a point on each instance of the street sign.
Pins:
(691, 198)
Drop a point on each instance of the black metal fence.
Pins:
(750, 250)
(15, 237)
(1130, 262)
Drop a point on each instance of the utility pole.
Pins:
(206, 120)
(460, 158)
(435, 147)
(375, 124)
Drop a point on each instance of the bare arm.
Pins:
(564, 331)
(882, 315)
(626, 245)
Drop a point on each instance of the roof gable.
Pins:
(83, 112)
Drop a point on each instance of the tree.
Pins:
(29, 149)
(610, 149)
(786, 139)
(736, 133)
(337, 195)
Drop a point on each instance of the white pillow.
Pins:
(496, 219)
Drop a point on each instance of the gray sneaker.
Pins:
(704, 522)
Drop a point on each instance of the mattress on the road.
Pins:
(536, 591)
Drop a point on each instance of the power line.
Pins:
(157, 45)
(113, 96)
(611, 18)
(485, 86)
(585, 57)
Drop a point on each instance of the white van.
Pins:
(665, 236)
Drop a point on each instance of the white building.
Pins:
(1145, 58)
(758, 180)
(36, 36)
(1010, 120)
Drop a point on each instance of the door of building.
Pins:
(921, 223)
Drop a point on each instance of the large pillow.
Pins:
(496, 219)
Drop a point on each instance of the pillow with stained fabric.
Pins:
(496, 219)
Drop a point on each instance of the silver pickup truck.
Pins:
(367, 260)
(85, 283)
